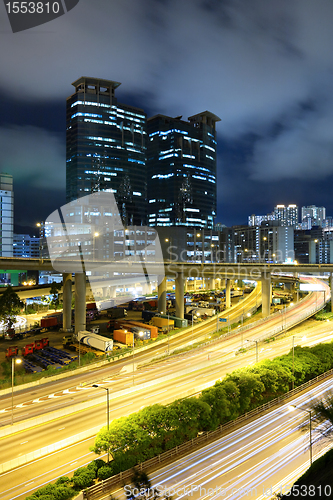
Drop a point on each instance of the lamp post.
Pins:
(14, 361)
(107, 407)
(292, 408)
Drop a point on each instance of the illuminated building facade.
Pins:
(106, 148)
(6, 215)
(181, 170)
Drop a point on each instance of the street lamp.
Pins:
(292, 408)
(107, 408)
(14, 361)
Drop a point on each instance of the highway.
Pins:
(66, 460)
(203, 367)
(262, 457)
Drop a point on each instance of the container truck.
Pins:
(153, 329)
(204, 311)
(122, 336)
(96, 341)
(148, 315)
(140, 333)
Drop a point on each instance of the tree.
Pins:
(141, 488)
(54, 291)
(10, 305)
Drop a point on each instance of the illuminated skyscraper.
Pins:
(6, 215)
(181, 168)
(106, 148)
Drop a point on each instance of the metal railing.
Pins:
(105, 487)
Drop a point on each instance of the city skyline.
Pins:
(265, 70)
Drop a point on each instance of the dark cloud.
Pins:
(265, 68)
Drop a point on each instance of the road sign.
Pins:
(223, 319)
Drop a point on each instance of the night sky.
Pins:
(264, 67)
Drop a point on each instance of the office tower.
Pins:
(313, 216)
(6, 215)
(181, 169)
(288, 216)
(25, 245)
(106, 148)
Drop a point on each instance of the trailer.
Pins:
(163, 323)
(123, 336)
(179, 322)
(96, 341)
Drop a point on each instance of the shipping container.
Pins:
(122, 336)
(96, 341)
(179, 322)
(163, 322)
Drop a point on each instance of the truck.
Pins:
(116, 312)
(93, 340)
(123, 336)
(148, 315)
(153, 329)
(140, 333)
(11, 351)
(203, 311)
(52, 320)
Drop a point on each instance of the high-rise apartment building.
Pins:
(313, 216)
(181, 168)
(288, 216)
(106, 148)
(6, 215)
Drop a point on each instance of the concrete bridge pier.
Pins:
(67, 301)
(80, 302)
(227, 293)
(162, 296)
(212, 284)
(266, 294)
(179, 296)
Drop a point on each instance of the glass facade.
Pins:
(106, 148)
(181, 168)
